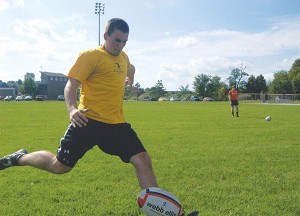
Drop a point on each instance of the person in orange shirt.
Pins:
(233, 95)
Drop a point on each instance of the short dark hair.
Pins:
(116, 23)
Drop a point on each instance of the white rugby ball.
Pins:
(155, 201)
(268, 118)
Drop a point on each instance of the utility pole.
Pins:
(99, 10)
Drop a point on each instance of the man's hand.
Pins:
(77, 118)
(128, 82)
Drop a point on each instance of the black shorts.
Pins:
(234, 103)
(115, 139)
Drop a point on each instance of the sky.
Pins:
(169, 40)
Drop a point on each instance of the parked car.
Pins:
(174, 98)
(60, 97)
(147, 98)
(194, 98)
(20, 98)
(8, 98)
(39, 98)
(208, 99)
(28, 98)
(163, 99)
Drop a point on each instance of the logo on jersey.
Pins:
(118, 68)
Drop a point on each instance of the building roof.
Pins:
(52, 74)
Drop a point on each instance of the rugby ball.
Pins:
(155, 201)
(268, 118)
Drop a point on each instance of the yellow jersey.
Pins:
(102, 76)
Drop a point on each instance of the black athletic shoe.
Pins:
(12, 159)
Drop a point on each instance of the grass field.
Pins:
(212, 162)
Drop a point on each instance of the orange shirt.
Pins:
(233, 94)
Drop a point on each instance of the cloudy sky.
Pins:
(169, 40)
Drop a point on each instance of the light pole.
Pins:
(99, 10)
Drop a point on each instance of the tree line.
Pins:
(204, 85)
(28, 86)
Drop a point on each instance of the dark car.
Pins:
(194, 98)
(60, 97)
(40, 98)
(208, 99)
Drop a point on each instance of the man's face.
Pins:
(115, 43)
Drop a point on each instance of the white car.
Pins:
(28, 98)
(174, 98)
(19, 98)
(8, 98)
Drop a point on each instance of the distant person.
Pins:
(99, 120)
(233, 95)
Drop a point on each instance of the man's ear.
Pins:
(105, 36)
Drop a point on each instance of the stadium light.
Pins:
(99, 10)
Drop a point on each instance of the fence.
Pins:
(270, 98)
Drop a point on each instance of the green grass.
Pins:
(210, 161)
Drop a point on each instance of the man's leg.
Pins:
(42, 159)
(237, 110)
(143, 166)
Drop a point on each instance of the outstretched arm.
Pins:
(76, 116)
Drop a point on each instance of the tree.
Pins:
(281, 84)
(158, 90)
(133, 91)
(29, 85)
(200, 84)
(222, 92)
(260, 84)
(213, 86)
(294, 76)
(209, 86)
(138, 90)
(29, 76)
(13, 84)
(237, 75)
(2, 84)
(250, 85)
(20, 82)
(184, 91)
